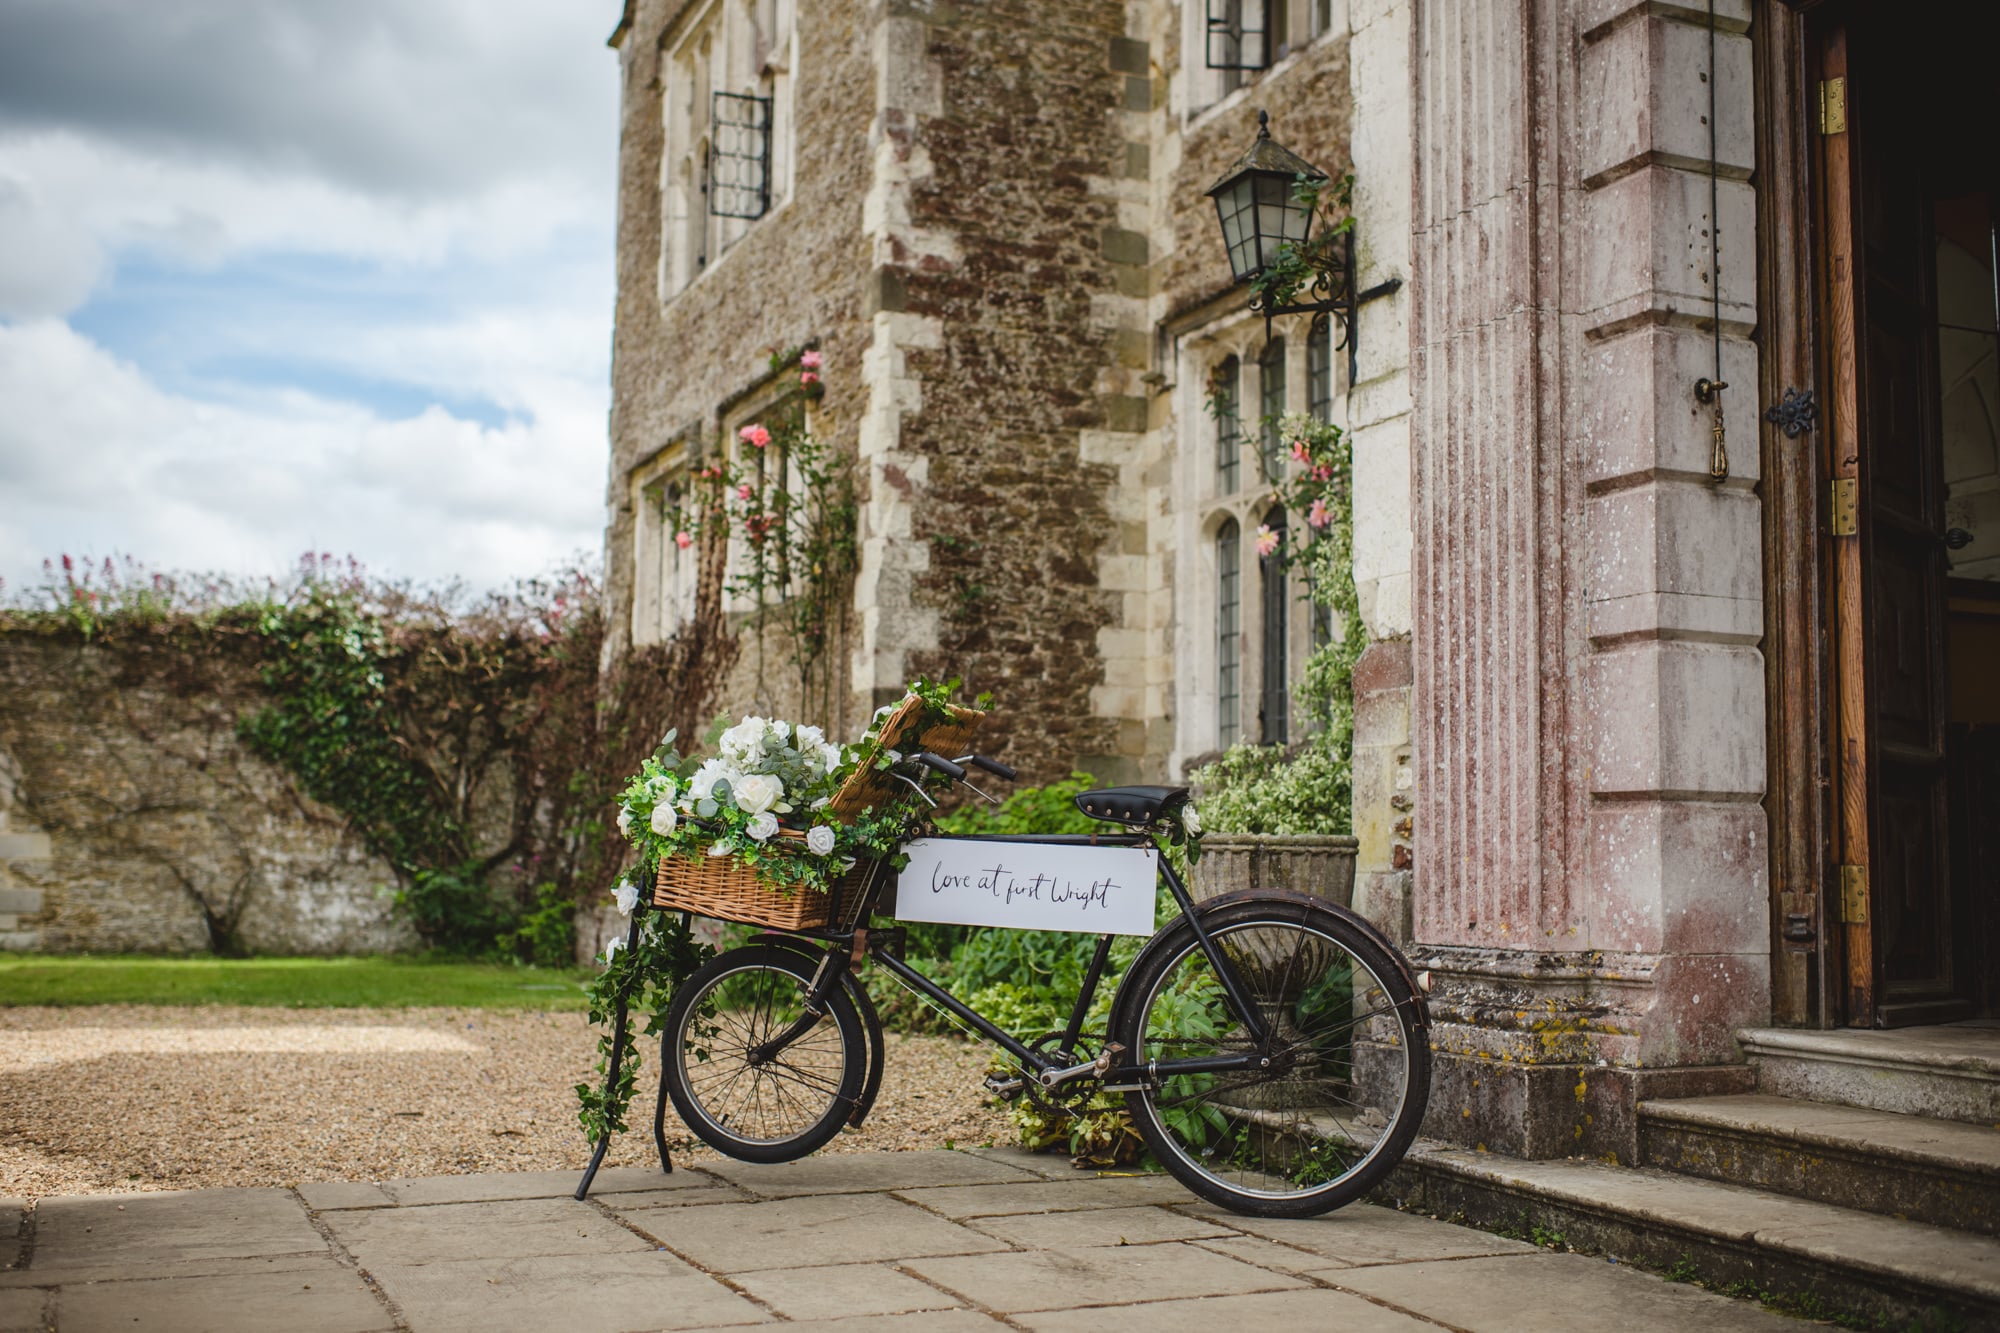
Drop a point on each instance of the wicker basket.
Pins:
(723, 888)
(866, 789)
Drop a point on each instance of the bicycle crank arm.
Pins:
(1100, 1066)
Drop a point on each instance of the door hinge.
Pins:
(1854, 895)
(1833, 106)
(1844, 515)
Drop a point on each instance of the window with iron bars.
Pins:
(739, 156)
(1239, 33)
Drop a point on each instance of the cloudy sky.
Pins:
(279, 275)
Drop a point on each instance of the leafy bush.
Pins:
(1306, 788)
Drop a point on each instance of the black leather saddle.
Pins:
(1136, 806)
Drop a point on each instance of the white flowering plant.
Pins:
(761, 799)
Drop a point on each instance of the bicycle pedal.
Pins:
(1003, 1086)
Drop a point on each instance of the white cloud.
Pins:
(95, 458)
(288, 226)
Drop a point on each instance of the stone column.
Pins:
(1588, 716)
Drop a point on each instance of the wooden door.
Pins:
(1890, 82)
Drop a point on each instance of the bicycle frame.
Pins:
(1050, 1071)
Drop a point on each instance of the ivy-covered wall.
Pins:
(164, 832)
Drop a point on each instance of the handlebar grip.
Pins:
(993, 766)
(938, 763)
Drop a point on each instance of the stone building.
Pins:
(1676, 731)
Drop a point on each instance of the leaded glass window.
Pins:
(1228, 632)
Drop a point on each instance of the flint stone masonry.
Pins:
(133, 818)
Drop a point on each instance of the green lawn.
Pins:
(306, 983)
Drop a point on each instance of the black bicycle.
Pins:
(1272, 1046)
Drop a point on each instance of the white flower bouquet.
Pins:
(761, 799)
(780, 800)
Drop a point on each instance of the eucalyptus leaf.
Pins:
(706, 807)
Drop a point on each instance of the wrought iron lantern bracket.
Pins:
(1333, 287)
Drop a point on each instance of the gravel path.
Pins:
(146, 1098)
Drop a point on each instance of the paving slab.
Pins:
(1206, 1314)
(1048, 1196)
(437, 1233)
(21, 1311)
(940, 1321)
(1531, 1293)
(147, 1235)
(325, 1196)
(1046, 1165)
(1044, 1280)
(540, 1184)
(13, 1212)
(853, 1173)
(843, 1291)
(812, 1230)
(327, 1298)
(1098, 1226)
(1362, 1233)
(604, 1293)
(1278, 1258)
(692, 1197)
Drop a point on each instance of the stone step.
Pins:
(1950, 1072)
(1855, 1262)
(1937, 1171)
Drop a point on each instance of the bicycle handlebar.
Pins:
(938, 763)
(993, 766)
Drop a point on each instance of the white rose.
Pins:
(662, 788)
(819, 841)
(721, 848)
(664, 819)
(612, 946)
(1190, 820)
(627, 897)
(761, 827)
(782, 730)
(830, 757)
(745, 739)
(757, 792)
(704, 780)
(811, 736)
(625, 822)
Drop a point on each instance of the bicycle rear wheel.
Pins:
(730, 1087)
(1349, 1071)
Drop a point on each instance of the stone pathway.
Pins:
(928, 1240)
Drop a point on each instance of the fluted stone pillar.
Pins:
(1588, 693)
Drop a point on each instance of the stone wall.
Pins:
(131, 818)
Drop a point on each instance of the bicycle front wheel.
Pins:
(1349, 1064)
(750, 1071)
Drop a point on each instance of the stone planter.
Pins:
(1306, 863)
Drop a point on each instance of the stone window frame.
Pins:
(776, 392)
(663, 575)
(1204, 89)
(728, 46)
(1202, 500)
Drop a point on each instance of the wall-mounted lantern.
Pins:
(1265, 203)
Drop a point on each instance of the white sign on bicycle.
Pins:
(1029, 886)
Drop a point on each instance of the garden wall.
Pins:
(132, 818)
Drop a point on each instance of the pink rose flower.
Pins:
(809, 360)
(808, 377)
(683, 540)
(1317, 515)
(743, 491)
(1267, 540)
(755, 436)
(1299, 450)
(1324, 472)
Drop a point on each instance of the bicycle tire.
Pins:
(871, 1025)
(777, 1110)
(1350, 1076)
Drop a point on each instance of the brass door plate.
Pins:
(1833, 106)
